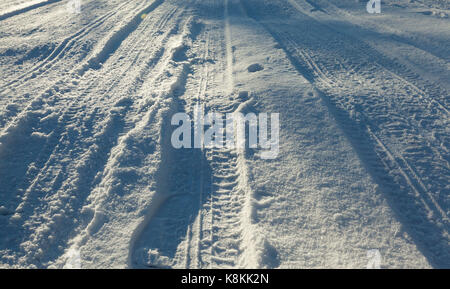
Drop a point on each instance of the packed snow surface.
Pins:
(89, 177)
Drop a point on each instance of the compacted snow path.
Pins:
(212, 230)
(87, 165)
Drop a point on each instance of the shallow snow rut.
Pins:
(60, 70)
(81, 129)
(87, 163)
(14, 11)
(226, 206)
(137, 165)
(211, 226)
(398, 129)
(59, 51)
(226, 198)
(82, 111)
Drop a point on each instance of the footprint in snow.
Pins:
(255, 67)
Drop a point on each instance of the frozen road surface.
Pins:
(90, 178)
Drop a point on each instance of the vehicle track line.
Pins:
(27, 8)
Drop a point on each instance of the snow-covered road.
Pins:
(87, 165)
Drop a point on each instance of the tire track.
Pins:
(330, 84)
(226, 207)
(117, 37)
(372, 132)
(71, 114)
(410, 177)
(58, 52)
(27, 8)
(169, 238)
(406, 38)
(194, 247)
(212, 229)
(231, 232)
(320, 72)
(222, 243)
(229, 50)
(406, 167)
(421, 93)
(82, 113)
(78, 72)
(66, 82)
